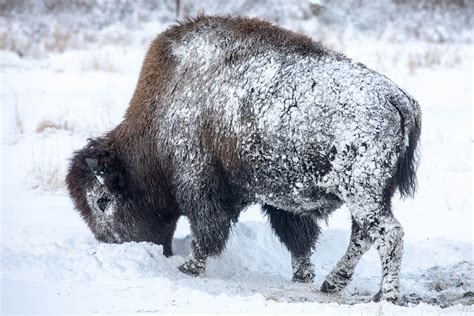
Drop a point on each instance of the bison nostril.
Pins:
(102, 203)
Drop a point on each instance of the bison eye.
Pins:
(103, 202)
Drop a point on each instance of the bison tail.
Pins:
(410, 114)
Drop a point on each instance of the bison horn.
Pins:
(96, 169)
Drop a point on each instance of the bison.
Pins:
(230, 111)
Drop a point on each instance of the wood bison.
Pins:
(230, 111)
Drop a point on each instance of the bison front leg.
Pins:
(210, 213)
(210, 230)
(165, 233)
(195, 265)
(299, 234)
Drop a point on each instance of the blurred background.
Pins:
(37, 27)
(69, 69)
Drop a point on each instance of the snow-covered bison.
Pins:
(232, 111)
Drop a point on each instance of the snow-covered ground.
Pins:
(51, 263)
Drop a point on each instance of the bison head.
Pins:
(97, 183)
(115, 209)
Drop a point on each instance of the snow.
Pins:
(51, 263)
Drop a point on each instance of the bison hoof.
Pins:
(389, 297)
(336, 281)
(193, 267)
(304, 276)
(303, 270)
(327, 287)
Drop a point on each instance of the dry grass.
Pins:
(46, 125)
(46, 176)
(59, 40)
(19, 126)
(98, 63)
(434, 55)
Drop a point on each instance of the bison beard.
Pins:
(232, 111)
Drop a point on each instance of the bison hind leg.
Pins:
(340, 276)
(299, 234)
(373, 223)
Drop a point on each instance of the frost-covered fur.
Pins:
(231, 111)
